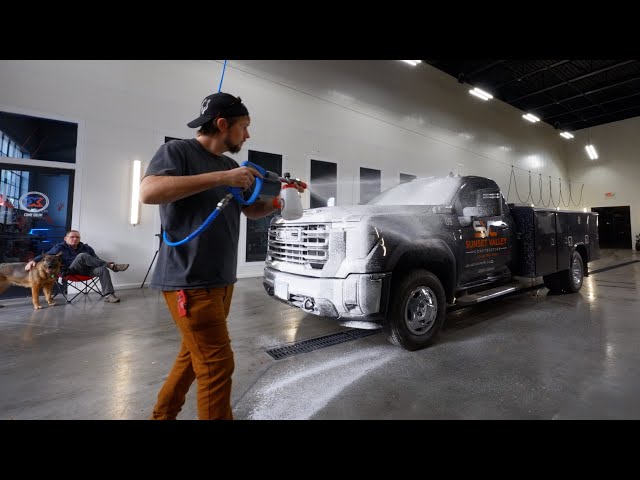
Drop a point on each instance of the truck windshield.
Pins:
(421, 191)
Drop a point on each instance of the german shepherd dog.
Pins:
(41, 276)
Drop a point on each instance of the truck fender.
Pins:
(430, 254)
(582, 249)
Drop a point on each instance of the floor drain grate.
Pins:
(305, 346)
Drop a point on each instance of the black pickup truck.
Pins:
(400, 260)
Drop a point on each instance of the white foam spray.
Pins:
(303, 391)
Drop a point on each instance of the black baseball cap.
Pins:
(219, 105)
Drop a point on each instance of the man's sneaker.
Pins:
(111, 298)
(118, 267)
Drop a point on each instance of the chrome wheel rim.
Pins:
(421, 310)
(576, 272)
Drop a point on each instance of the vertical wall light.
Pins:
(135, 193)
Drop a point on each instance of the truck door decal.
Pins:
(488, 242)
(483, 230)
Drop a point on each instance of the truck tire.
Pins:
(571, 280)
(567, 281)
(417, 311)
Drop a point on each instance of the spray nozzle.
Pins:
(274, 177)
(293, 181)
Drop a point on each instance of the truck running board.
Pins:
(488, 294)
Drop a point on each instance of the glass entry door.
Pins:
(35, 213)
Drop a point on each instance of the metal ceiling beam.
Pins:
(468, 76)
(606, 87)
(568, 82)
(611, 113)
(580, 92)
(590, 106)
(526, 75)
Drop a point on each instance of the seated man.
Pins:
(80, 259)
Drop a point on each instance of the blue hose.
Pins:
(234, 192)
(224, 67)
(195, 233)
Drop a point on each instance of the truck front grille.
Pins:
(300, 244)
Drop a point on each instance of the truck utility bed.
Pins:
(546, 237)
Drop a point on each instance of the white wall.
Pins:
(617, 169)
(378, 114)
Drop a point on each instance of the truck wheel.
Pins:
(571, 280)
(417, 311)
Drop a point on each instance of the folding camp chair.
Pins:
(79, 283)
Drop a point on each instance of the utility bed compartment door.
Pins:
(567, 229)
(537, 241)
(593, 237)
(546, 244)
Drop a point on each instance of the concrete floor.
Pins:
(527, 356)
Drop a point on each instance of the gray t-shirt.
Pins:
(210, 259)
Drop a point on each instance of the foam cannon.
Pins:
(289, 203)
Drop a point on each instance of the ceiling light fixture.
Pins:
(412, 62)
(531, 118)
(566, 135)
(481, 94)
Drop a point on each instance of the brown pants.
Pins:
(205, 355)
